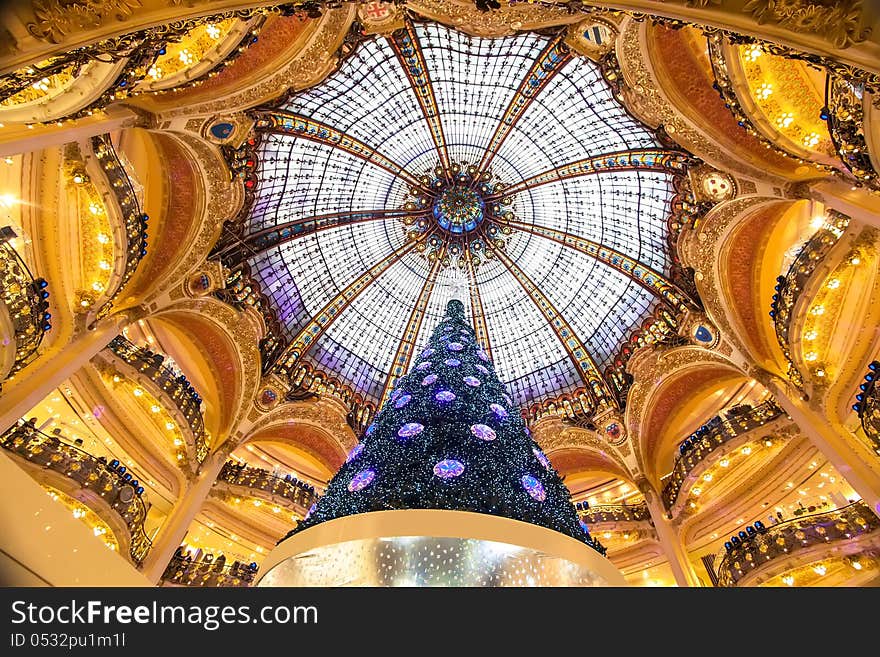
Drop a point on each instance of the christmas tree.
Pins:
(449, 437)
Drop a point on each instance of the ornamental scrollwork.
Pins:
(58, 18)
(837, 20)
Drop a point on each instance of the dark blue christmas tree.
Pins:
(450, 438)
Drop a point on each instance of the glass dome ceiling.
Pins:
(434, 164)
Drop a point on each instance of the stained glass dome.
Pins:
(433, 163)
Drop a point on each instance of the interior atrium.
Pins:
(229, 229)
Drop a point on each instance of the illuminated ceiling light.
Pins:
(810, 335)
(7, 200)
(820, 570)
(785, 119)
(811, 356)
(178, 442)
(79, 178)
(137, 392)
(212, 30)
(857, 565)
(606, 535)
(98, 287)
(169, 425)
(104, 265)
(789, 580)
(820, 372)
(180, 457)
(697, 491)
(855, 260)
(724, 463)
(768, 443)
(818, 221)
(817, 310)
(811, 140)
(259, 549)
(8, 159)
(626, 535)
(94, 208)
(764, 91)
(257, 503)
(739, 521)
(155, 408)
(746, 450)
(707, 477)
(833, 284)
(276, 509)
(752, 53)
(102, 238)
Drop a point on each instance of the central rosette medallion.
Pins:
(458, 209)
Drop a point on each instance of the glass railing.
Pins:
(716, 432)
(188, 572)
(293, 490)
(134, 219)
(793, 535)
(25, 300)
(614, 513)
(176, 386)
(89, 472)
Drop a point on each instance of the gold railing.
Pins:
(135, 220)
(793, 535)
(89, 472)
(614, 513)
(184, 396)
(716, 432)
(298, 492)
(186, 572)
(25, 300)
(789, 287)
(846, 125)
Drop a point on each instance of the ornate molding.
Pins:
(55, 19)
(839, 21)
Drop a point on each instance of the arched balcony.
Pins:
(175, 387)
(715, 433)
(91, 479)
(23, 317)
(843, 527)
(614, 513)
(183, 570)
(262, 484)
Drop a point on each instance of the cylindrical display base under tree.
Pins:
(430, 547)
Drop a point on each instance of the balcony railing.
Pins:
(615, 513)
(176, 386)
(716, 432)
(298, 492)
(25, 300)
(186, 572)
(789, 287)
(844, 99)
(87, 471)
(134, 219)
(793, 535)
(868, 405)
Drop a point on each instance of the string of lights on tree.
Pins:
(450, 438)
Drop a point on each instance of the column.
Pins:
(668, 535)
(176, 525)
(33, 383)
(855, 462)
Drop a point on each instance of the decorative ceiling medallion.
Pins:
(454, 216)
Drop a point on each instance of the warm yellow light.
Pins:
(785, 119)
(811, 140)
(855, 260)
(810, 335)
(7, 200)
(746, 450)
(764, 91)
(259, 549)
(257, 503)
(180, 457)
(789, 580)
(212, 30)
(94, 208)
(97, 287)
(169, 425)
(104, 265)
(819, 570)
(155, 408)
(811, 356)
(697, 491)
(820, 372)
(102, 238)
(137, 392)
(768, 443)
(752, 53)
(606, 535)
(178, 442)
(833, 284)
(817, 310)
(856, 565)
(8, 159)
(724, 463)
(707, 476)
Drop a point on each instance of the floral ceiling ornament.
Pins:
(839, 21)
(58, 18)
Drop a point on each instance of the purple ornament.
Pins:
(507, 399)
(499, 411)
(483, 432)
(482, 369)
(584, 527)
(353, 454)
(463, 331)
(541, 458)
(534, 488)
(448, 468)
(361, 480)
(444, 396)
(403, 401)
(410, 429)
(421, 367)
(472, 381)
(396, 394)
(482, 355)
(428, 380)
(427, 352)
(311, 510)
(452, 362)
(370, 429)
(455, 346)
(448, 328)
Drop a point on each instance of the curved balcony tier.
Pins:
(149, 366)
(25, 319)
(842, 526)
(615, 513)
(89, 474)
(262, 484)
(184, 571)
(716, 433)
